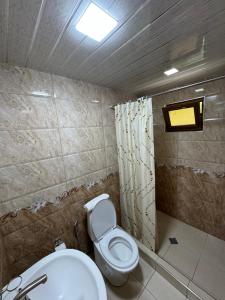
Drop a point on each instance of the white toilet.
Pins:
(116, 252)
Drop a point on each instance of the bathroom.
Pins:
(112, 142)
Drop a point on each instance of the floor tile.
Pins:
(143, 272)
(199, 292)
(146, 295)
(183, 259)
(214, 251)
(161, 289)
(211, 278)
(131, 290)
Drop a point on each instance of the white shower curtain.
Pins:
(134, 131)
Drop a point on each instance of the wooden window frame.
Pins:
(185, 104)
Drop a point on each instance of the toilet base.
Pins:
(114, 277)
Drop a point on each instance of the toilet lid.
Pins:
(103, 218)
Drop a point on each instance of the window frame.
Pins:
(185, 104)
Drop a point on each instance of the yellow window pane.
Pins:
(200, 103)
(184, 116)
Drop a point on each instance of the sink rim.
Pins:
(84, 258)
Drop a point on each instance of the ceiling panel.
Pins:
(151, 36)
(55, 17)
(22, 21)
(3, 29)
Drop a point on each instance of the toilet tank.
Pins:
(89, 207)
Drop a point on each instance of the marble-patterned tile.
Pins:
(146, 295)
(202, 166)
(166, 148)
(21, 146)
(212, 131)
(78, 113)
(162, 289)
(214, 106)
(110, 136)
(112, 169)
(26, 112)
(75, 140)
(111, 156)
(87, 180)
(183, 259)
(30, 177)
(77, 165)
(211, 278)
(202, 151)
(35, 200)
(24, 81)
(142, 272)
(66, 88)
(131, 290)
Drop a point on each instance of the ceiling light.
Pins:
(171, 71)
(199, 90)
(40, 93)
(95, 101)
(96, 23)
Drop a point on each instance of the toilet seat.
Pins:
(119, 249)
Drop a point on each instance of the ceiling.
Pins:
(151, 36)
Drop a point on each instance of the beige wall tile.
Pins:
(26, 112)
(111, 156)
(87, 180)
(30, 177)
(75, 140)
(81, 164)
(24, 81)
(19, 146)
(78, 113)
(44, 117)
(66, 88)
(110, 136)
(165, 148)
(202, 151)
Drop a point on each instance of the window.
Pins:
(185, 115)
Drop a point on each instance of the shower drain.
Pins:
(173, 241)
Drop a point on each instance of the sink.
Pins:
(72, 275)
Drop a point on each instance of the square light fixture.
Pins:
(96, 23)
(171, 71)
(199, 90)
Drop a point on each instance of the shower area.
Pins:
(172, 184)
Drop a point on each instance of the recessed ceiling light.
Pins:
(40, 93)
(95, 101)
(96, 23)
(171, 71)
(199, 90)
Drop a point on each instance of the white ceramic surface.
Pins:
(72, 275)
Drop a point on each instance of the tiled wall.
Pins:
(48, 143)
(54, 137)
(190, 166)
(28, 236)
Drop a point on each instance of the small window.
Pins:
(185, 115)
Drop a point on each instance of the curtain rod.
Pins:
(186, 86)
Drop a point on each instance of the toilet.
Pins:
(116, 252)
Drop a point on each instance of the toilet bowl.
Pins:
(116, 252)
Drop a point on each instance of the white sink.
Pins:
(72, 275)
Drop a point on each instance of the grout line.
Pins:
(53, 157)
(68, 23)
(59, 132)
(203, 248)
(50, 186)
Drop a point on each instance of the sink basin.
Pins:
(72, 275)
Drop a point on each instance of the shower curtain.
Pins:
(134, 131)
